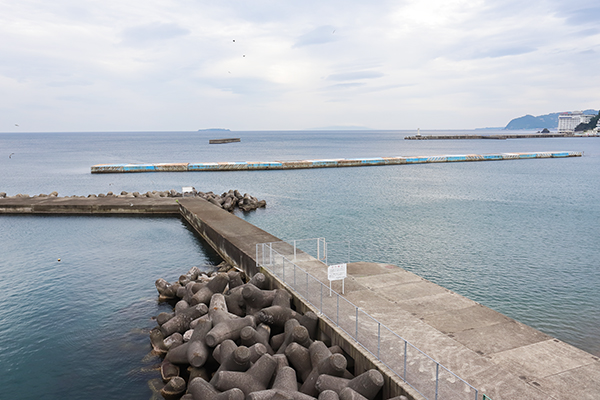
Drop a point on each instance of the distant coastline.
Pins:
(499, 137)
(549, 121)
(214, 130)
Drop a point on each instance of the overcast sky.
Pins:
(160, 65)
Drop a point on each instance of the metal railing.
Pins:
(424, 374)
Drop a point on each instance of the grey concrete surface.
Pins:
(89, 205)
(503, 358)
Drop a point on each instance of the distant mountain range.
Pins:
(549, 121)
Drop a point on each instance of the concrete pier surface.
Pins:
(500, 357)
(89, 205)
(328, 163)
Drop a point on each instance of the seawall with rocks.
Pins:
(232, 338)
(230, 200)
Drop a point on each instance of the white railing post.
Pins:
(378, 339)
(405, 354)
(356, 335)
(319, 249)
(337, 319)
(437, 379)
(321, 297)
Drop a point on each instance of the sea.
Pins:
(78, 296)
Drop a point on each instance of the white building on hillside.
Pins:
(569, 120)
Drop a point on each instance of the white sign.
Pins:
(187, 189)
(336, 272)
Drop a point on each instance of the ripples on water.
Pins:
(517, 236)
(79, 327)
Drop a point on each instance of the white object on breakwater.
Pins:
(328, 163)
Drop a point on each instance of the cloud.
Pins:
(577, 12)
(153, 32)
(502, 51)
(247, 86)
(351, 76)
(321, 35)
(384, 64)
(349, 85)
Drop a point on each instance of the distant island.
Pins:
(548, 121)
(214, 130)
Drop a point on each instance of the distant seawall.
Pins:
(326, 163)
(501, 137)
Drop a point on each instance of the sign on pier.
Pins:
(336, 272)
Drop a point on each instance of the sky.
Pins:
(184, 65)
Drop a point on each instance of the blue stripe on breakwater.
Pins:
(329, 163)
(138, 167)
(492, 156)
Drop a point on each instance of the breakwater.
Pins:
(151, 202)
(498, 137)
(223, 141)
(498, 355)
(324, 163)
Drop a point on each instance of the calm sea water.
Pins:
(520, 237)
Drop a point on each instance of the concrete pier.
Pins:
(499, 356)
(91, 205)
(327, 163)
(502, 358)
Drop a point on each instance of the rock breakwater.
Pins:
(230, 338)
(229, 200)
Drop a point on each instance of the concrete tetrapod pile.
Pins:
(228, 339)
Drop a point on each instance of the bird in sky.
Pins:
(10, 155)
(16, 124)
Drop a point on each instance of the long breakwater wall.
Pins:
(324, 163)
